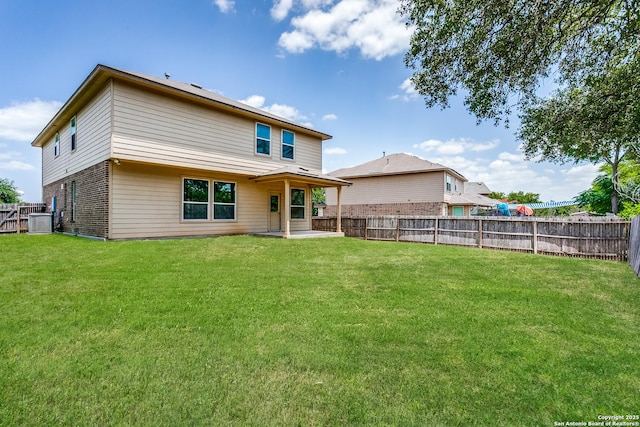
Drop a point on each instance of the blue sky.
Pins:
(336, 66)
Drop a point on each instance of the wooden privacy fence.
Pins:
(603, 238)
(14, 218)
(634, 245)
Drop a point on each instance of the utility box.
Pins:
(40, 223)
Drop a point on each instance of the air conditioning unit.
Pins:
(40, 223)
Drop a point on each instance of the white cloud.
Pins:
(455, 146)
(16, 165)
(280, 9)
(8, 162)
(285, 111)
(372, 26)
(225, 6)
(23, 121)
(329, 117)
(510, 172)
(255, 101)
(335, 150)
(510, 157)
(409, 90)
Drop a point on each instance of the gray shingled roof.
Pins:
(476, 188)
(393, 164)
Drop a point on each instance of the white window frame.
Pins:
(447, 183)
(268, 141)
(234, 203)
(207, 203)
(303, 206)
(73, 129)
(56, 145)
(283, 145)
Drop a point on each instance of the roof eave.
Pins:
(321, 181)
(411, 172)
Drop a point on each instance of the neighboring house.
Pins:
(135, 156)
(403, 184)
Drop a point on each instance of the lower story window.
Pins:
(297, 203)
(458, 211)
(224, 200)
(195, 199)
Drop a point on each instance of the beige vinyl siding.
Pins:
(93, 127)
(147, 202)
(409, 188)
(154, 128)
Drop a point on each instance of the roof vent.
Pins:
(196, 85)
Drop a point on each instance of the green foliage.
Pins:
(495, 49)
(8, 192)
(522, 197)
(317, 196)
(497, 195)
(247, 331)
(629, 210)
(598, 198)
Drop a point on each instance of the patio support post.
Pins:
(287, 208)
(339, 212)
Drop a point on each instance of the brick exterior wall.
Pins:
(430, 208)
(92, 202)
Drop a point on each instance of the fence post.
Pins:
(18, 209)
(365, 228)
(480, 233)
(397, 229)
(535, 236)
(435, 233)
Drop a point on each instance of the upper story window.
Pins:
(195, 199)
(56, 145)
(73, 133)
(288, 140)
(263, 139)
(448, 182)
(224, 200)
(297, 203)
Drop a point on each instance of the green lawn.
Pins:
(256, 331)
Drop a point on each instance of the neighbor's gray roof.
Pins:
(476, 187)
(393, 164)
(472, 199)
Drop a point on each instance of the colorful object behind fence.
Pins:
(524, 210)
(503, 208)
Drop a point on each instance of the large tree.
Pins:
(595, 120)
(499, 51)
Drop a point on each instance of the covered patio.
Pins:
(294, 176)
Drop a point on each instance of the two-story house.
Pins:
(403, 184)
(135, 156)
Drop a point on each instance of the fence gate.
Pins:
(14, 218)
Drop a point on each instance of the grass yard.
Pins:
(255, 331)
